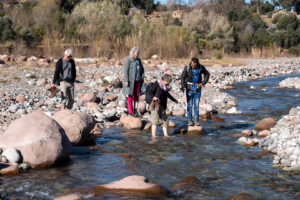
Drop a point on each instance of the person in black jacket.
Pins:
(191, 82)
(159, 93)
(64, 76)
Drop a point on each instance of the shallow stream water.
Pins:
(224, 167)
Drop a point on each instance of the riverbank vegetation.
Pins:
(213, 29)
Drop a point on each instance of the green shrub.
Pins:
(218, 55)
(32, 76)
(294, 51)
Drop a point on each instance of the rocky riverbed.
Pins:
(25, 89)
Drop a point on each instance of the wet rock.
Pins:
(242, 196)
(242, 140)
(204, 114)
(187, 184)
(24, 166)
(247, 133)
(264, 133)
(12, 155)
(265, 124)
(218, 119)
(77, 125)
(249, 143)
(70, 197)
(126, 155)
(217, 126)
(172, 124)
(131, 122)
(3, 193)
(6, 169)
(97, 130)
(191, 130)
(148, 127)
(132, 186)
(232, 110)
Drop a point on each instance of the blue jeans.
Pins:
(190, 96)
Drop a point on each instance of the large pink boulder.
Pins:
(89, 96)
(77, 125)
(264, 133)
(265, 124)
(131, 122)
(41, 141)
(5, 58)
(179, 112)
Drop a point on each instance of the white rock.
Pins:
(12, 155)
(232, 110)
(242, 140)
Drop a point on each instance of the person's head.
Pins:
(167, 79)
(194, 63)
(134, 52)
(68, 54)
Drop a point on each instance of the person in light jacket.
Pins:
(133, 80)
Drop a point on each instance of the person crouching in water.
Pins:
(158, 95)
(191, 82)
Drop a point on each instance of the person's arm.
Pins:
(183, 77)
(153, 91)
(142, 70)
(171, 97)
(75, 75)
(56, 73)
(206, 76)
(126, 70)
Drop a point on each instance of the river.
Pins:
(224, 167)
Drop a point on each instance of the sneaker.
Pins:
(197, 123)
(190, 122)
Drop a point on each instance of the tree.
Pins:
(286, 22)
(6, 31)
(288, 4)
(68, 5)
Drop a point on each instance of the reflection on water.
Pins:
(224, 167)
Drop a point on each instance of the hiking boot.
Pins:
(190, 122)
(132, 114)
(197, 123)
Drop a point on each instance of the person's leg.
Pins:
(165, 120)
(155, 121)
(70, 95)
(196, 107)
(189, 98)
(137, 85)
(63, 90)
(129, 101)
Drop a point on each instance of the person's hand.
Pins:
(53, 85)
(184, 88)
(155, 99)
(126, 84)
(200, 85)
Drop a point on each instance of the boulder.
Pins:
(102, 89)
(77, 125)
(111, 97)
(5, 58)
(41, 141)
(21, 99)
(204, 114)
(246, 133)
(187, 184)
(264, 133)
(131, 122)
(148, 127)
(97, 130)
(232, 110)
(178, 112)
(249, 143)
(22, 58)
(132, 186)
(191, 130)
(218, 119)
(172, 124)
(142, 107)
(12, 155)
(110, 105)
(112, 80)
(265, 124)
(70, 197)
(123, 104)
(89, 96)
(242, 140)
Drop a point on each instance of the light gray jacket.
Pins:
(129, 75)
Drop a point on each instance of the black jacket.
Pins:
(58, 74)
(187, 76)
(156, 91)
